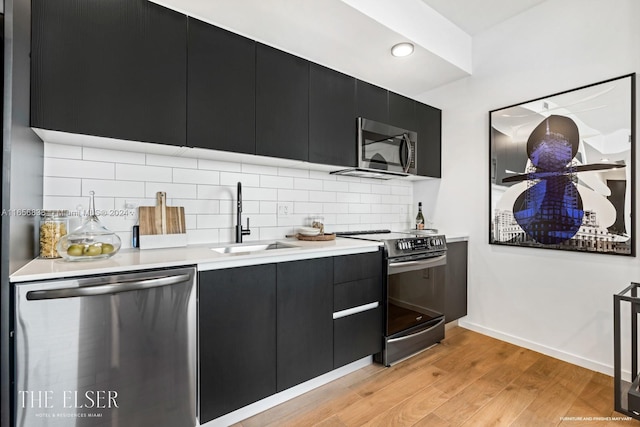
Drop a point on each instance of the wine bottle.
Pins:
(420, 218)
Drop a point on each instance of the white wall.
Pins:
(207, 190)
(555, 302)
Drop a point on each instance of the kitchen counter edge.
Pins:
(201, 255)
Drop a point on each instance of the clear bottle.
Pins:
(53, 225)
(90, 241)
(420, 218)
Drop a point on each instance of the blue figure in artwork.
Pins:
(550, 211)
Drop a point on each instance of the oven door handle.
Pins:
(401, 267)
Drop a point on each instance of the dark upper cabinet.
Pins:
(371, 102)
(304, 320)
(282, 104)
(402, 112)
(237, 327)
(112, 68)
(455, 305)
(332, 117)
(429, 140)
(221, 89)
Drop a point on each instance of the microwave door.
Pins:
(385, 154)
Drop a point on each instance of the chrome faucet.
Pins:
(239, 230)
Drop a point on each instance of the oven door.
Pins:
(415, 294)
(414, 307)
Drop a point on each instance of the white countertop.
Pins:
(200, 255)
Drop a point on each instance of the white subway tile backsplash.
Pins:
(196, 206)
(215, 221)
(232, 178)
(267, 181)
(312, 208)
(297, 173)
(322, 196)
(63, 151)
(216, 165)
(207, 190)
(126, 172)
(259, 169)
(72, 168)
(333, 186)
(172, 161)
(113, 188)
(307, 184)
(177, 191)
(268, 207)
(196, 176)
(359, 208)
(359, 187)
(293, 195)
(112, 156)
(259, 194)
(62, 186)
(348, 197)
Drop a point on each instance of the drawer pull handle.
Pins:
(355, 310)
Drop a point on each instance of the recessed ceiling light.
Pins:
(402, 49)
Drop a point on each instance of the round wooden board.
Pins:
(319, 238)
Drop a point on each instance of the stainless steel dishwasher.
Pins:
(116, 350)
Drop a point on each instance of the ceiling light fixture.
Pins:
(402, 49)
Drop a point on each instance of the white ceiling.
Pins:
(355, 36)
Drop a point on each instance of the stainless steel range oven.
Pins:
(415, 292)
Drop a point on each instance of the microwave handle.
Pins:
(407, 163)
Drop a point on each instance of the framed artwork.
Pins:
(562, 170)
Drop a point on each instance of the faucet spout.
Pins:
(240, 231)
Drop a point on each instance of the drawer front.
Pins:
(357, 336)
(359, 292)
(348, 268)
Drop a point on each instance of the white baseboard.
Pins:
(549, 351)
(283, 396)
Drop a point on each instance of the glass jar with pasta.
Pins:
(53, 225)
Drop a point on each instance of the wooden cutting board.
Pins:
(161, 219)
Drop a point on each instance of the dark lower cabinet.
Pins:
(429, 140)
(456, 281)
(237, 311)
(304, 320)
(332, 117)
(221, 89)
(357, 283)
(357, 336)
(114, 68)
(282, 104)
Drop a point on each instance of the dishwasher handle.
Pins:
(107, 289)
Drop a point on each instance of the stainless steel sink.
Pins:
(251, 247)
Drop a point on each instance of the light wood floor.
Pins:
(467, 380)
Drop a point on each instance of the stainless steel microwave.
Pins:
(384, 151)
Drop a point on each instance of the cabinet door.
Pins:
(332, 117)
(348, 268)
(429, 140)
(372, 102)
(305, 320)
(456, 281)
(356, 336)
(113, 68)
(282, 104)
(402, 112)
(237, 329)
(221, 89)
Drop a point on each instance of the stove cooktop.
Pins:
(400, 244)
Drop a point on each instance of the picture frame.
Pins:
(562, 172)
